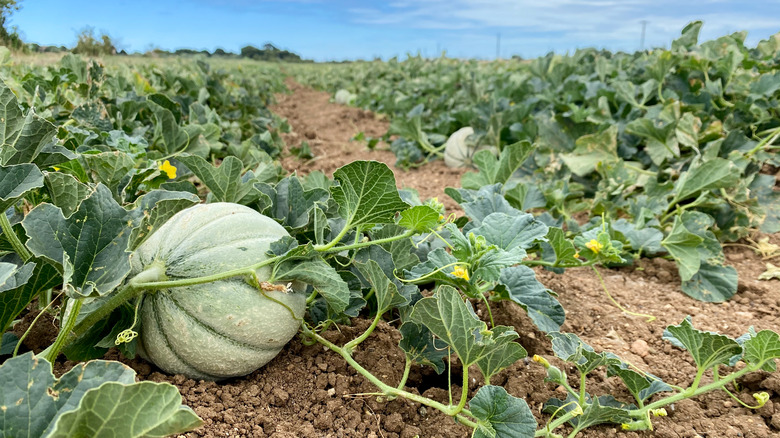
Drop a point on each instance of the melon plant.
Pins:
(224, 328)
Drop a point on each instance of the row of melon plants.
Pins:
(671, 145)
(208, 265)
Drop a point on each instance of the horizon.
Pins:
(350, 30)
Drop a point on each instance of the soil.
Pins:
(309, 391)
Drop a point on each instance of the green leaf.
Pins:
(712, 283)
(641, 386)
(112, 169)
(420, 218)
(524, 289)
(402, 250)
(143, 409)
(437, 259)
(366, 193)
(92, 399)
(166, 128)
(564, 249)
(12, 296)
(683, 246)
(15, 181)
(510, 231)
(688, 37)
(500, 414)
(687, 131)
(713, 174)
(8, 344)
(499, 169)
(421, 347)
(293, 204)
(764, 346)
(599, 410)
(13, 300)
(153, 209)
(22, 137)
(387, 296)
(502, 354)
(707, 348)
(320, 275)
(571, 348)
(224, 182)
(66, 191)
(452, 320)
(89, 247)
(591, 150)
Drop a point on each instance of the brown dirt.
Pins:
(309, 391)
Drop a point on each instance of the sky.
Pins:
(325, 30)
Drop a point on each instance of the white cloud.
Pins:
(615, 23)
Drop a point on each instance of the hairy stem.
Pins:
(695, 390)
(350, 346)
(13, 239)
(386, 389)
(54, 350)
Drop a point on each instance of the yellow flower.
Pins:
(56, 168)
(168, 168)
(460, 273)
(540, 360)
(594, 245)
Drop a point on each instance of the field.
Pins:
(600, 264)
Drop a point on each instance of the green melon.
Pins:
(221, 329)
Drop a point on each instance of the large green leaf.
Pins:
(15, 181)
(571, 348)
(90, 246)
(641, 385)
(293, 204)
(66, 191)
(591, 150)
(764, 346)
(494, 169)
(713, 174)
(22, 137)
(316, 272)
(112, 169)
(153, 209)
(421, 347)
(452, 320)
(420, 218)
(707, 348)
(143, 409)
(97, 398)
(712, 283)
(224, 182)
(501, 415)
(366, 193)
(510, 231)
(14, 299)
(683, 246)
(12, 281)
(385, 291)
(523, 288)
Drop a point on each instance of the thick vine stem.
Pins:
(53, 351)
(8, 231)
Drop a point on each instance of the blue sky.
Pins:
(352, 29)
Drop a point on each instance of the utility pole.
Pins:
(642, 38)
(498, 45)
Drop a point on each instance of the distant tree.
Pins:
(9, 38)
(91, 45)
(269, 52)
